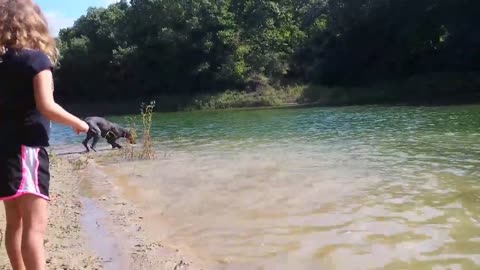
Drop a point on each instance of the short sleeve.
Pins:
(39, 62)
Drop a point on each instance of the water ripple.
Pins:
(387, 188)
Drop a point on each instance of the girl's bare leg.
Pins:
(34, 218)
(13, 234)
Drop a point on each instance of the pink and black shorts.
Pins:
(24, 170)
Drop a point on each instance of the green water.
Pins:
(324, 188)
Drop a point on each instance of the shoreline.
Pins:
(126, 225)
(93, 226)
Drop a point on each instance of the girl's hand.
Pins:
(82, 127)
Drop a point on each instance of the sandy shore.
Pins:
(96, 228)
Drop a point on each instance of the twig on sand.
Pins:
(179, 265)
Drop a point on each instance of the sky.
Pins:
(62, 13)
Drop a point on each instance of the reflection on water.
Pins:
(352, 188)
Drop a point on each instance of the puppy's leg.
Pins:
(113, 143)
(96, 137)
(96, 134)
(88, 138)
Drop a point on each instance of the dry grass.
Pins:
(128, 151)
(147, 151)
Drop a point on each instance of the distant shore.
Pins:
(129, 108)
(434, 89)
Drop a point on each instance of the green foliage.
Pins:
(236, 99)
(449, 88)
(152, 48)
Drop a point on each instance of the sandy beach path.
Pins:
(98, 228)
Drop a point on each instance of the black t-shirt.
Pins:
(20, 122)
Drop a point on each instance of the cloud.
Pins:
(57, 21)
(108, 2)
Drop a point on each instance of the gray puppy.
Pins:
(101, 127)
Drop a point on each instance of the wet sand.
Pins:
(97, 228)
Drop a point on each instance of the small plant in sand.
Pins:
(79, 163)
(54, 160)
(147, 113)
(129, 152)
(147, 151)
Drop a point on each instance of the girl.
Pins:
(27, 57)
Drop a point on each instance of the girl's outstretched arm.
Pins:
(46, 105)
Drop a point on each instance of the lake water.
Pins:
(323, 188)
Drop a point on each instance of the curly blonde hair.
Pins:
(23, 26)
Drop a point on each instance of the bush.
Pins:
(240, 99)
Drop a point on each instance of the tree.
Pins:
(148, 48)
